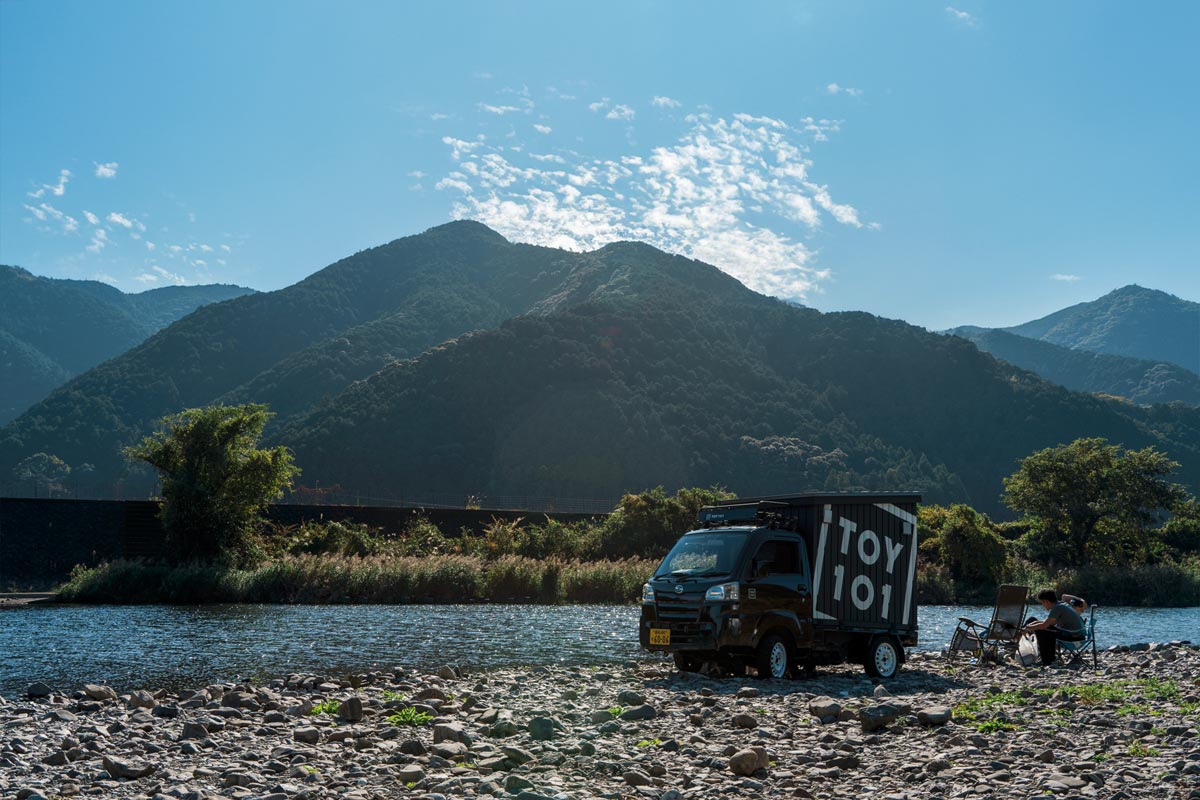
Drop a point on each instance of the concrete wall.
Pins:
(41, 540)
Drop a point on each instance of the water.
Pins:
(151, 646)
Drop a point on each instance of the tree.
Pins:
(1092, 501)
(42, 469)
(966, 543)
(215, 481)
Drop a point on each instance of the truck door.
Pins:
(779, 587)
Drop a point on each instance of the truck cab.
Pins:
(740, 591)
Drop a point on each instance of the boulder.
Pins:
(935, 715)
(99, 693)
(141, 699)
(630, 697)
(638, 713)
(749, 761)
(350, 710)
(825, 708)
(306, 735)
(412, 773)
(872, 718)
(745, 721)
(132, 770)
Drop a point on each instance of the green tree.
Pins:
(1182, 532)
(216, 482)
(1092, 501)
(648, 523)
(966, 543)
(43, 469)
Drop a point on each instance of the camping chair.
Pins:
(1079, 648)
(1004, 630)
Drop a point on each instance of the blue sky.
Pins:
(973, 163)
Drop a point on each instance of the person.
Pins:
(1061, 622)
(1077, 602)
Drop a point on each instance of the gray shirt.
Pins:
(1066, 618)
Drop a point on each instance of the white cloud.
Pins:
(834, 88)
(58, 189)
(146, 277)
(416, 173)
(501, 110)
(105, 278)
(437, 116)
(44, 212)
(620, 111)
(150, 246)
(665, 102)
(226, 248)
(542, 128)
(598, 105)
(118, 218)
(964, 17)
(1059, 276)
(99, 241)
(735, 192)
(91, 218)
(108, 170)
(171, 277)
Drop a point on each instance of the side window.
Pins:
(777, 558)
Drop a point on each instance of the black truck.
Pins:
(785, 583)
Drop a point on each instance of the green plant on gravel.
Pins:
(410, 716)
(649, 742)
(1100, 757)
(996, 725)
(1139, 750)
(329, 707)
(616, 711)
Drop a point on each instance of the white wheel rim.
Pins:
(885, 659)
(778, 660)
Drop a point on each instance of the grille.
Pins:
(679, 607)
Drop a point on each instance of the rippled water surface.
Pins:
(132, 646)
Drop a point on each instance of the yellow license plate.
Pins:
(660, 636)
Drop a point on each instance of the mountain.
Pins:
(1132, 321)
(52, 329)
(456, 361)
(1085, 371)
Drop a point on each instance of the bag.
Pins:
(1027, 650)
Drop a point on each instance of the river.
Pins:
(152, 646)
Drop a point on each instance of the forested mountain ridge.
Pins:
(1137, 379)
(52, 329)
(456, 361)
(1132, 321)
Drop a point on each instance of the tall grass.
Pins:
(322, 579)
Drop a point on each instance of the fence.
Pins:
(333, 495)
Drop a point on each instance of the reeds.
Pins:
(330, 579)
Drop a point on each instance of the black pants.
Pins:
(1047, 642)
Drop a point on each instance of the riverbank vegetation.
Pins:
(1097, 520)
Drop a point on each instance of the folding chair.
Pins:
(1008, 618)
(1079, 648)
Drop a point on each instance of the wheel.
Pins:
(774, 657)
(688, 662)
(883, 657)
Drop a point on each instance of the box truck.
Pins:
(785, 583)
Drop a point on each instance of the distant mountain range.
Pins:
(456, 361)
(52, 330)
(1136, 343)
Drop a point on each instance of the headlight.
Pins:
(724, 591)
(647, 594)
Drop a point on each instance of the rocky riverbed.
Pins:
(940, 729)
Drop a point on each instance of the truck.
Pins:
(782, 584)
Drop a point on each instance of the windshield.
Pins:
(699, 554)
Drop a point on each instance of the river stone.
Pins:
(630, 697)
(141, 699)
(749, 761)
(37, 690)
(99, 693)
(541, 728)
(872, 718)
(635, 777)
(306, 735)
(447, 673)
(745, 721)
(350, 710)
(517, 755)
(935, 715)
(515, 783)
(412, 747)
(637, 713)
(825, 708)
(127, 769)
(193, 730)
(747, 692)
(412, 773)
(450, 732)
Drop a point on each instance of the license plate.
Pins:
(660, 636)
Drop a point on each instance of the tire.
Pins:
(884, 657)
(774, 657)
(688, 662)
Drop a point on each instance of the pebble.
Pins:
(517, 734)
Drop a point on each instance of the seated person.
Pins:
(1061, 622)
